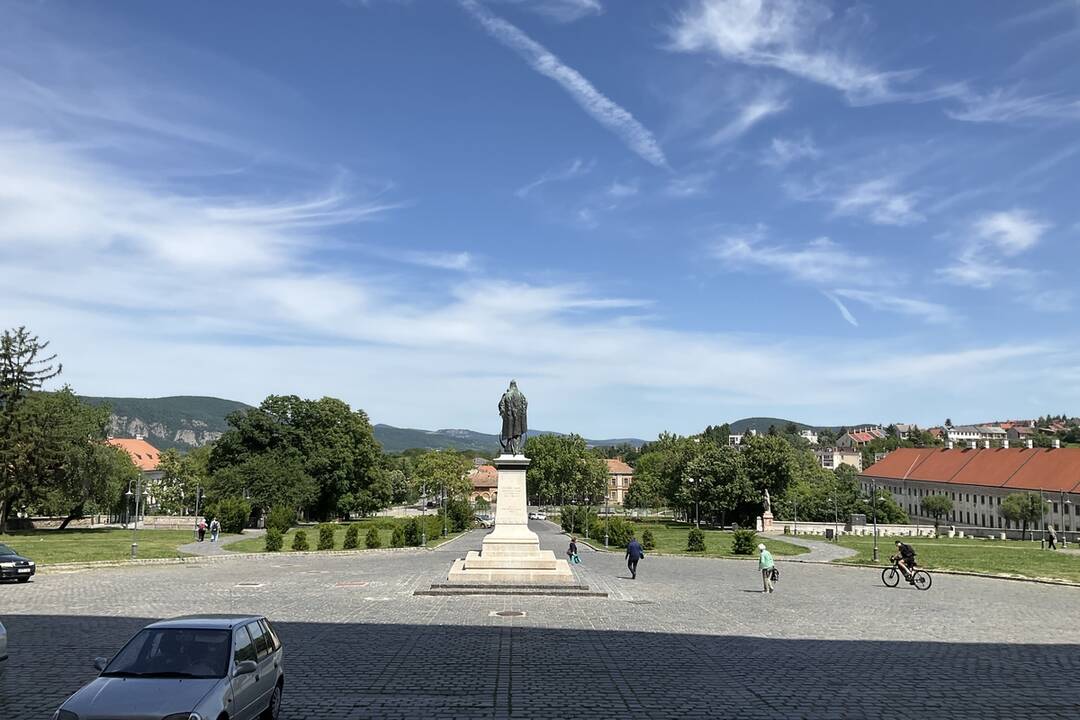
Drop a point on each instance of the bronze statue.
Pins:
(513, 408)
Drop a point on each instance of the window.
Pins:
(982, 499)
(242, 647)
(259, 638)
(1055, 507)
(275, 642)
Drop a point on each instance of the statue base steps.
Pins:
(575, 590)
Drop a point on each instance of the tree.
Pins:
(21, 370)
(1023, 508)
(445, 471)
(563, 470)
(937, 507)
(720, 484)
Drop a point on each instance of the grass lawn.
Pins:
(80, 545)
(1006, 557)
(670, 538)
(258, 544)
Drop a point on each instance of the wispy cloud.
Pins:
(622, 190)
(879, 201)
(929, 311)
(564, 11)
(787, 35)
(601, 108)
(844, 312)
(1010, 106)
(993, 236)
(689, 185)
(784, 151)
(972, 268)
(820, 261)
(1011, 231)
(766, 103)
(576, 168)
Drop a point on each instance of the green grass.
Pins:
(81, 545)
(671, 536)
(998, 557)
(258, 544)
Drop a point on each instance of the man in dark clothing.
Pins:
(633, 554)
(905, 557)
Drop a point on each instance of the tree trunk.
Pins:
(76, 512)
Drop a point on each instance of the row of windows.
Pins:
(254, 641)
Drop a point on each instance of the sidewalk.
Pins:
(820, 551)
(207, 548)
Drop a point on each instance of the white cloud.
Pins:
(765, 104)
(844, 312)
(1012, 231)
(879, 201)
(786, 35)
(820, 261)
(784, 151)
(974, 268)
(602, 109)
(1009, 106)
(689, 185)
(576, 168)
(561, 10)
(929, 311)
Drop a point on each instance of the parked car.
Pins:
(201, 667)
(537, 516)
(3, 642)
(14, 566)
(485, 520)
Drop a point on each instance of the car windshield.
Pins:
(173, 652)
(5, 550)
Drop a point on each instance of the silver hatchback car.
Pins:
(203, 667)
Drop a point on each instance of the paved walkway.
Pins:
(689, 638)
(207, 548)
(820, 550)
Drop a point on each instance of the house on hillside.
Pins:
(976, 434)
(859, 438)
(620, 475)
(810, 435)
(832, 458)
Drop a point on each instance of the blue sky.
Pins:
(654, 215)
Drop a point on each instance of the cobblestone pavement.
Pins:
(691, 637)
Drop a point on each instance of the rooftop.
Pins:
(1054, 470)
(142, 453)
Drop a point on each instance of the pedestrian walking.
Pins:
(633, 554)
(201, 528)
(215, 530)
(766, 566)
(1051, 535)
(571, 552)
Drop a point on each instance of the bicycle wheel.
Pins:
(890, 576)
(922, 579)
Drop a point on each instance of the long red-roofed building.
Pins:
(977, 480)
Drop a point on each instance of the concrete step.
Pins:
(445, 589)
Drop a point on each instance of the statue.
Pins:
(768, 502)
(513, 408)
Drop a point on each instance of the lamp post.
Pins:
(873, 503)
(836, 520)
(444, 531)
(588, 506)
(135, 524)
(1065, 510)
(695, 489)
(198, 496)
(607, 517)
(423, 513)
(795, 499)
(1042, 507)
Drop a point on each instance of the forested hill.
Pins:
(182, 421)
(395, 439)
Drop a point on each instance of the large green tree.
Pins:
(444, 471)
(1023, 508)
(937, 507)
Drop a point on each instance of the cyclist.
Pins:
(905, 559)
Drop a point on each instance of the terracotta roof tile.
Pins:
(142, 453)
(1053, 470)
(485, 476)
(618, 467)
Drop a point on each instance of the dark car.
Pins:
(14, 566)
(202, 667)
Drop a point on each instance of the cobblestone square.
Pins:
(690, 638)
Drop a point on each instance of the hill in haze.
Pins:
(182, 421)
(395, 439)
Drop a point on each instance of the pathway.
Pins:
(820, 550)
(207, 548)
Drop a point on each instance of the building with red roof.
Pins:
(485, 483)
(620, 476)
(145, 456)
(977, 480)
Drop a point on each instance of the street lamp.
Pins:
(1065, 513)
(836, 520)
(588, 506)
(1042, 543)
(444, 530)
(697, 501)
(135, 525)
(423, 513)
(607, 516)
(873, 503)
(795, 499)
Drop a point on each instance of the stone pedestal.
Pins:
(511, 553)
(766, 521)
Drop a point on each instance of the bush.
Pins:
(274, 541)
(743, 542)
(397, 538)
(413, 533)
(281, 518)
(618, 530)
(648, 542)
(232, 513)
(299, 541)
(373, 540)
(572, 519)
(352, 537)
(326, 536)
(695, 541)
(459, 516)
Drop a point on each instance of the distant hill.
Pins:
(762, 424)
(182, 421)
(395, 439)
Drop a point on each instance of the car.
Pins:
(200, 667)
(14, 566)
(541, 516)
(3, 642)
(485, 520)
(533, 516)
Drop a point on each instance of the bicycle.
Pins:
(919, 578)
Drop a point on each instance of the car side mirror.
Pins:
(100, 663)
(245, 667)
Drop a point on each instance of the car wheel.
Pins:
(273, 710)
(22, 580)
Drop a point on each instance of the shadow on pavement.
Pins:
(518, 671)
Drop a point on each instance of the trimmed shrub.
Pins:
(372, 540)
(326, 536)
(397, 538)
(413, 533)
(618, 530)
(459, 516)
(572, 519)
(352, 537)
(274, 541)
(695, 541)
(648, 542)
(280, 517)
(299, 541)
(743, 542)
(232, 513)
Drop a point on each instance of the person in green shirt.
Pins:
(765, 565)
